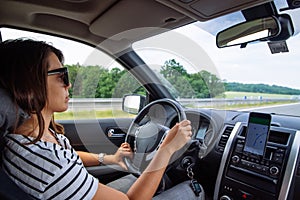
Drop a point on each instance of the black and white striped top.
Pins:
(46, 170)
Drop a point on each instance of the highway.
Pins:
(287, 109)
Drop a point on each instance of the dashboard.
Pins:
(227, 171)
(202, 128)
(217, 155)
(270, 176)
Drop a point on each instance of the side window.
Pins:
(98, 81)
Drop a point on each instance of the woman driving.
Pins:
(38, 157)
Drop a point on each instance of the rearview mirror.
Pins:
(250, 31)
(133, 103)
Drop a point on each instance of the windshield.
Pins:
(199, 74)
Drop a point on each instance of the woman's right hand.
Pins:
(178, 136)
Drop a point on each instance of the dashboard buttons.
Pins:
(274, 170)
(235, 159)
(245, 195)
(225, 197)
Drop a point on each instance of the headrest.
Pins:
(9, 113)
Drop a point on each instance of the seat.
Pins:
(8, 189)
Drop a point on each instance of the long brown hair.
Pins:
(23, 73)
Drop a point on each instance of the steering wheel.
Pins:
(148, 130)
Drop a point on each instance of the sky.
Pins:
(254, 64)
(194, 47)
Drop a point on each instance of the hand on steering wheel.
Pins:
(146, 134)
(178, 136)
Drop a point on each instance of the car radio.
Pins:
(255, 160)
(268, 166)
(251, 153)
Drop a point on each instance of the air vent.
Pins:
(224, 138)
(279, 137)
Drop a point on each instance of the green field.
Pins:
(232, 95)
(91, 114)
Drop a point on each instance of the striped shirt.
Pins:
(46, 170)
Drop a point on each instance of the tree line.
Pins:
(99, 82)
(260, 88)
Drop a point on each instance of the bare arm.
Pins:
(92, 159)
(146, 185)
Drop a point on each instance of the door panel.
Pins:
(98, 135)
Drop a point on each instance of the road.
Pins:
(288, 109)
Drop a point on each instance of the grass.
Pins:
(91, 114)
(253, 105)
(232, 95)
(252, 95)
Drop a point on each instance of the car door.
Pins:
(98, 135)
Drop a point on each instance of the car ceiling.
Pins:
(93, 21)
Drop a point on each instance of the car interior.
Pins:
(222, 156)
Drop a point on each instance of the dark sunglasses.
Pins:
(64, 74)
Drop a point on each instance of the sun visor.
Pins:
(118, 18)
(204, 10)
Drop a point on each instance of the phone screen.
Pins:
(257, 133)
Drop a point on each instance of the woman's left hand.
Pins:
(123, 151)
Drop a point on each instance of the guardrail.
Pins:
(116, 103)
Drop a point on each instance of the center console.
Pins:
(260, 169)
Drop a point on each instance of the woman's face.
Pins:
(58, 94)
